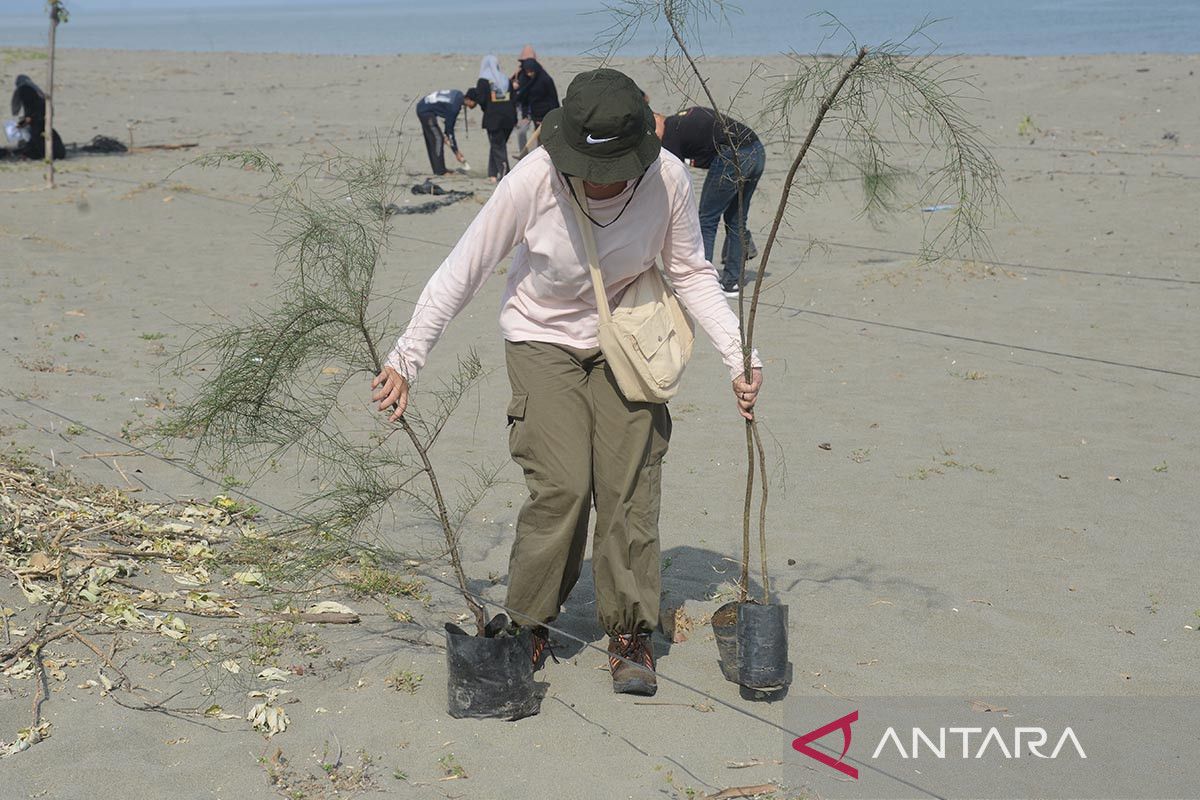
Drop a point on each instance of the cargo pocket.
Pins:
(516, 407)
(516, 426)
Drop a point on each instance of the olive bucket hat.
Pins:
(604, 131)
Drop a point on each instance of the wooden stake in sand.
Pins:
(531, 144)
(58, 13)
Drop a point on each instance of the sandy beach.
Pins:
(984, 475)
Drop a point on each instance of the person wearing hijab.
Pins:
(489, 69)
(524, 125)
(491, 94)
(536, 90)
(29, 107)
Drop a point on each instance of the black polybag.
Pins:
(752, 644)
(491, 676)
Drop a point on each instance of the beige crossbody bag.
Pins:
(647, 338)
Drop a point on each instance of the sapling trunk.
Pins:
(421, 448)
(752, 427)
(443, 515)
(754, 450)
(56, 11)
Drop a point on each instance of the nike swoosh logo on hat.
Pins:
(593, 140)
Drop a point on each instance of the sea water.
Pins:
(574, 27)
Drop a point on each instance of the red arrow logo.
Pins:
(801, 744)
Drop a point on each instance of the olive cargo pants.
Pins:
(579, 441)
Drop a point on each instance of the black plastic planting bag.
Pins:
(490, 677)
(752, 644)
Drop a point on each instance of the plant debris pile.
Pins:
(97, 580)
(87, 561)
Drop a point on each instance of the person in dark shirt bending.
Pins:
(724, 147)
(445, 103)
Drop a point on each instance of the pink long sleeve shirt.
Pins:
(549, 295)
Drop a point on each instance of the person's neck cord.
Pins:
(585, 208)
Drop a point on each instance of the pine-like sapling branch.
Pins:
(276, 383)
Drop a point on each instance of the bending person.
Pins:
(575, 436)
(446, 104)
(734, 158)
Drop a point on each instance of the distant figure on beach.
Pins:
(491, 93)
(524, 123)
(444, 103)
(29, 107)
(724, 147)
(579, 441)
(536, 90)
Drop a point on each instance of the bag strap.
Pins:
(589, 247)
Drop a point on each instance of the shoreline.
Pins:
(41, 46)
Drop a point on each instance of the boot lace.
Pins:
(635, 649)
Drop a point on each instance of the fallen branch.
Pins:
(743, 791)
(125, 682)
(182, 146)
(117, 467)
(39, 697)
(79, 532)
(160, 708)
(192, 612)
(316, 618)
(106, 552)
(35, 640)
(701, 707)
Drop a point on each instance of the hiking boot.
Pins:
(540, 638)
(634, 674)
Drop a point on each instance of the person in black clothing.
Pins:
(29, 107)
(524, 123)
(734, 158)
(445, 103)
(535, 89)
(491, 93)
(499, 119)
